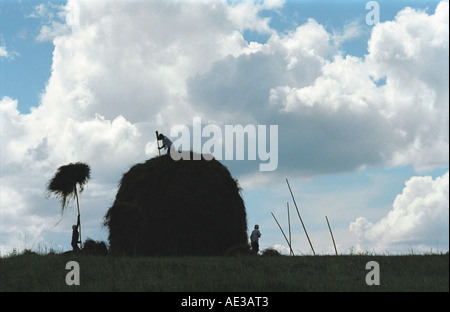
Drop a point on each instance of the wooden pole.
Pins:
(332, 237)
(289, 223)
(292, 252)
(157, 142)
(304, 228)
(78, 217)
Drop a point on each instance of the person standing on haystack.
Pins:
(167, 143)
(254, 239)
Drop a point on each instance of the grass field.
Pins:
(32, 272)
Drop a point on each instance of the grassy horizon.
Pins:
(33, 272)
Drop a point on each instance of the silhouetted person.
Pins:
(167, 143)
(254, 239)
(75, 236)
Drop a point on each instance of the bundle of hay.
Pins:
(184, 207)
(95, 248)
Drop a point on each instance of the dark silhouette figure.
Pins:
(75, 236)
(254, 239)
(167, 143)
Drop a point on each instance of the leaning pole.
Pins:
(304, 228)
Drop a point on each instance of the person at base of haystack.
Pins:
(254, 239)
(167, 143)
(75, 236)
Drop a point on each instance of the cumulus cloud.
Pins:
(332, 113)
(412, 53)
(119, 61)
(418, 219)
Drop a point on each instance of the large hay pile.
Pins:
(185, 207)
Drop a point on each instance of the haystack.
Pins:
(184, 207)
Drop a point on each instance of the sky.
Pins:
(359, 97)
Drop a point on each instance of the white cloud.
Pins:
(331, 113)
(419, 218)
(3, 52)
(412, 53)
(52, 18)
(350, 31)
(17, 132)
(245, 14)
